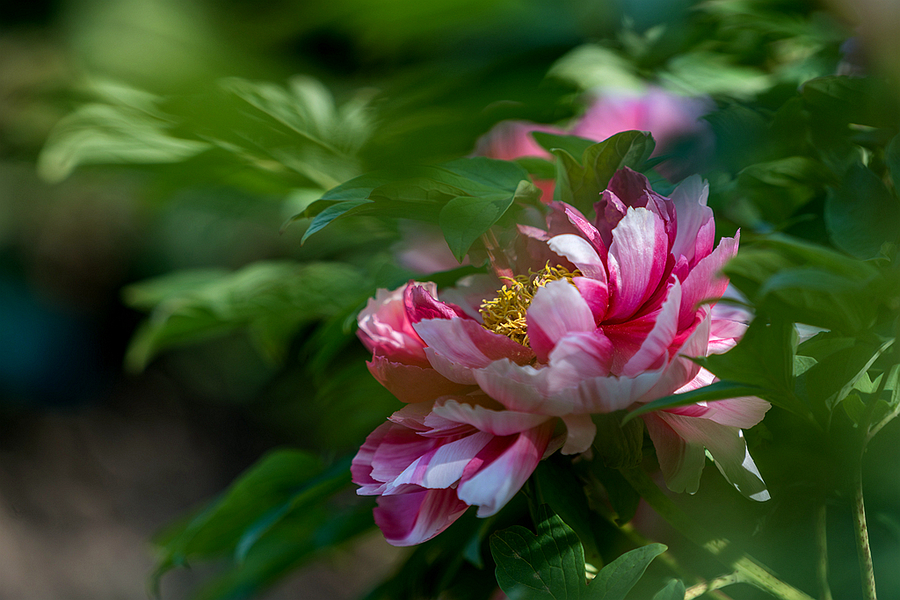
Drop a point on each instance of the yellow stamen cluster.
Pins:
(505, 314)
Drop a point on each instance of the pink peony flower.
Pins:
(601, 316)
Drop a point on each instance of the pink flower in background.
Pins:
(600, 315)
(674, 120)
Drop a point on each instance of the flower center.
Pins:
(505, 314)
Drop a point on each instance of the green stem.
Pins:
(866, 570)
(695, 591)
(747, 568)
(822, 547)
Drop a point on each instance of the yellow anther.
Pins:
(505, 314)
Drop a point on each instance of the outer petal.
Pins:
(442, 466)
(580, 432)
(637, 261)
(705, 280)
(411, 383)
(413, 518)
(580, 356)
(504, 468)
(681, 462)
(556, 310)
(496, 422)
(605, 394)
(361, 467)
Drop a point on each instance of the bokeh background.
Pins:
(105, 437)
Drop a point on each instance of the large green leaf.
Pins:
(547, 565)
(616, 579)
(550, 564)
(580, 183)
(862, 215)
(282, 483)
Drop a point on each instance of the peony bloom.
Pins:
(598, 315)
(675, 122)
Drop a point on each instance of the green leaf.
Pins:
(764, 358)
(328, 215)
(619, 442)
(572, 144)
(465, 218)
(98, 134)
(892, 157)
(545, 566)
(720, 390)
(581, 183)
(268, 299)
(280, 477)
(862, 214)
(564, 493)
(617, 578)
(674, 590)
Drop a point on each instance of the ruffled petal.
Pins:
(582, 355)
(443, 465)
(637, 261)
(521, 388)
(556, 310)
(596, 294)
(413, 518)
(580, 432)
(680, 461)
(496, 422)
(705, 281)
(466, 343)
(505, 464)
(412, 383)
(604, 394)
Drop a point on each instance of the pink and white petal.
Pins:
(681, 461)
(728, 449)
(737, 466)
(466, 343)
(690, 199)
(421, 304)
(682, 370)
(442, 466)
(412, 383)
(454, 372)
(361, 466)
(581, 254)
(657, 342)
(743, 412)
(580, 432)
(596, 294)
(470, 291)
(556, 310)
(637, 261)
(605, 394)
(416, 517)
(496, 422)
(505, 466)
(399, 448)
(580, 356)
(705, 281)
(520, 388)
